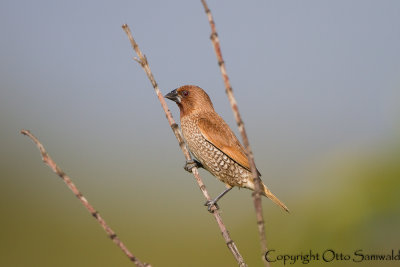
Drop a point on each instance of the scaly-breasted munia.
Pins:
(213, 143)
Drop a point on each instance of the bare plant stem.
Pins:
(142, 60)
(46, 159)
(239, 121)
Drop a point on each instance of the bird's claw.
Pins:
(190, 164)
(210, 204)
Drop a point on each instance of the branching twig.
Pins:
(239, 121)
(46, 159)
(143, 62)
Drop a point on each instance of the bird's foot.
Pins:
(210, 204)
(190, 164)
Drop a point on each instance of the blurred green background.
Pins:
(317, 84)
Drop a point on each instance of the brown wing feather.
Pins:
(217, 132)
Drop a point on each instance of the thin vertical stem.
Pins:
(242, 130)
(142, 60)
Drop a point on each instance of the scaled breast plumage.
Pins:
(209, 149)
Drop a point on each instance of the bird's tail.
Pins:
(271, 196)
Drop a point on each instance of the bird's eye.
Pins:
(185, 93)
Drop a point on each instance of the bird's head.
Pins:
(190, 99)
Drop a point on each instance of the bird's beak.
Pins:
(173, 95)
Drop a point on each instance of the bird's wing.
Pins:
(215, 130)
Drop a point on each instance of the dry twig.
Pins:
(239, 121)
(46, 159)
(142, 60)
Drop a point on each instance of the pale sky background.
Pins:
(312, 79)
(309, 76)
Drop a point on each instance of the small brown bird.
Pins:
(213, 143)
